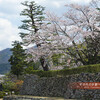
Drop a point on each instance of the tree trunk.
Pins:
(44, 64)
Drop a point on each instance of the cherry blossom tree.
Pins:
(95, 3)
(79, 24)
(35, 32)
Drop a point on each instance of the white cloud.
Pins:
(57, 4)
(1, 14)
(81, 1)
(13, 1)
(0, 1)
(8, 33)
(40, 1)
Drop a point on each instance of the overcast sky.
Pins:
(10, 16)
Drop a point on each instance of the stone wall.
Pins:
(59, 86)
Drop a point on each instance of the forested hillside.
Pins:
(4, 64)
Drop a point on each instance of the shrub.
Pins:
(2, 94)
(8, 86)
(86, 69)
(18, 85)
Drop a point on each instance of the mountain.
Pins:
(4, 64)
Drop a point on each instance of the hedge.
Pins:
(2, 94)
(82, 69)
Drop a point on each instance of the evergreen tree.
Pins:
(34, 17)
(17, 59)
